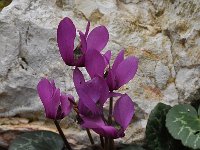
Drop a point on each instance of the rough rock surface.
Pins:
(164, 34)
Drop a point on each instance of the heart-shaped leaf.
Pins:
(183, 123)
(38, 140)
(157, 135)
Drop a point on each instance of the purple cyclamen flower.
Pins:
(122, 71)
(66, 33)
(95, 63)
(92, 93)
(123, 113)
(56, 104)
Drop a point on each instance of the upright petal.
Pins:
(107, 57)
(83, 110)
(66, 34)
(110, 79)
(88, 102)
(118, 60)
(94, 63)
(87, 29)
(53, 85)
(52, 107)
(66, 105)
(83, 42)
(126, 70)
(104, 90)
(93, 94)
(45, 91)
(98, 38)
(123, 111)
(97, 89)
(92, 89)
(78, 78)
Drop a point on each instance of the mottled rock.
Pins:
(188, 83)
(171, 94)
(162, 74)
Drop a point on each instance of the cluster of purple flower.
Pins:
(93, 94)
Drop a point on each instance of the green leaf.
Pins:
(4, 3)
(130, 147)
(183, 123)
(157, 135)
(38, 140)
(199, 111)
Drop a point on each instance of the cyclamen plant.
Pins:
(94, 93)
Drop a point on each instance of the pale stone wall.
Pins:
(164, 34)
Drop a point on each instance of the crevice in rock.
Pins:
(65, 4)
(139, 113)
(183, 41)
(30, 6)
(22, 60)
(168, 33)
(127, 1)
(24, 63)
(59, 3)
(27, 35)
(194, 98)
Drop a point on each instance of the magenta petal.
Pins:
(53, 85)
(107, 57)
(94, 63)
(114, 94)
(45, 91)
(98, 38)
(126, 70)
(52, 107)
(66, 105)
(123, 111)
(97, 89)
(83, 42)
(66, 34)
(118, 60)
(83, 110)
(93, 89)
(94, 93)
(80, 62)
(110, 79)
(87, 29)
(88, 102)
(104, 90)
(98, 126)
(78, 78)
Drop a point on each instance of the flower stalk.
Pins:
(110, 140)
(110, 111)
(90, 136)
(93, 93)
(102, 141)
(87, 130)
(62, 135)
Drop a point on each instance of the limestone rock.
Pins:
(162, 74)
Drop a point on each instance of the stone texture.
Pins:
(164, 34)
(12, 127)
